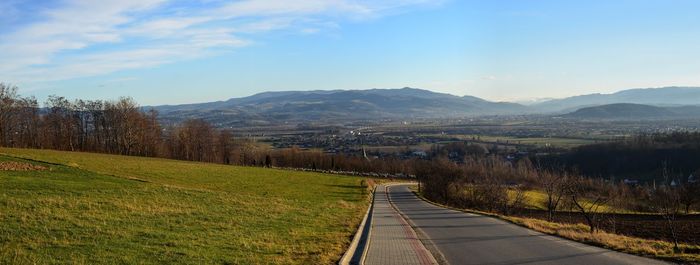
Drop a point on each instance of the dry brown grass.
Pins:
(632, 245)
(19, 166)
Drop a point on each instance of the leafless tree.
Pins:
(554, 186)
(689, 194)
(224, 146)
(666, 201)
(588, 197)
(8, 96)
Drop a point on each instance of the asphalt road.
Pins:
(464, 238)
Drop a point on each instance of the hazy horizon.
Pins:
(175, 52)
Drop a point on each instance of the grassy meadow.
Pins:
(93, 208)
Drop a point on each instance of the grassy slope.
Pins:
(95, 208)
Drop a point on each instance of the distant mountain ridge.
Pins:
(665, 96)
(371, 104)
(409, 103)
(628, 111)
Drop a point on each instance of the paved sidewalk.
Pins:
(392, 240)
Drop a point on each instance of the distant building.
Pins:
(419, 154)
(630, 181)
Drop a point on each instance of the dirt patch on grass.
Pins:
(19, 166)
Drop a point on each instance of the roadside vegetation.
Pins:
(83, 208)
(643, 219)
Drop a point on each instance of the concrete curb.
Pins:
(355, 243)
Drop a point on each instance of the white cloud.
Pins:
(275, 8)
(81, 38)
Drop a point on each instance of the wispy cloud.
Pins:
(78, 38)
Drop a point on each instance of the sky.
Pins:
(172, 52)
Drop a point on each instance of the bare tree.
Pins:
(689, 194)
(59, 126)
(224, 146)
(516, 201)
(588, 198)
(554, 187)
(194, 140)
(8, 96)
(666, 201)
(620, 199)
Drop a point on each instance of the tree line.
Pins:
(101, 126)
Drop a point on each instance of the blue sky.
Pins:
(168, 52)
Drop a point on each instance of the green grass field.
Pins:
(95, 208)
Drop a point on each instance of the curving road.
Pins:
(464, 238)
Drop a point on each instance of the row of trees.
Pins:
(100, 126)
(115, 127)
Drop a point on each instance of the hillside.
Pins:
(302, 106)
(666, 96)
(81, 208)
(627, 111)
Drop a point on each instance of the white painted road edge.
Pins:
(345, 259)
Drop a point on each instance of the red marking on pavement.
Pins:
(421, 252)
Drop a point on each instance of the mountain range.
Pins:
(629, 111)
(408, 103)
(337, 105)
(666, 96)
